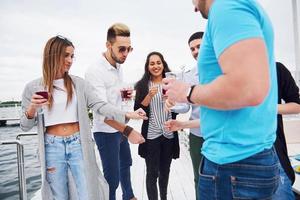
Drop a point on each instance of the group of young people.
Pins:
(234, 156)
(66, 149)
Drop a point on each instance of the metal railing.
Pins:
(20, 154)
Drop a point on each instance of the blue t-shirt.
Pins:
(232, 135)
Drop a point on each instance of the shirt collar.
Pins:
(108, 65)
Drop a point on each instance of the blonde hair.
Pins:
(53, 59)
(117, 29)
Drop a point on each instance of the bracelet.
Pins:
(127, 131)
(190, 94)
(27, 116)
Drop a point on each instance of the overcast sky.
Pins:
(160, 25)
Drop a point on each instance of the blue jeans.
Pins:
(116, 161)
(64, 153)
(284, 190)
(255, 177)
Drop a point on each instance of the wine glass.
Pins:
(127, 95)
(41, 90)
(178, 76)
(182, 68)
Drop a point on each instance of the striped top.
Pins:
(158, 116)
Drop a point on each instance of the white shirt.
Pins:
(192, 78)
(158, 116)
(60, 113)
(107, 81)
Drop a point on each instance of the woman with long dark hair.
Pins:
(161, 145)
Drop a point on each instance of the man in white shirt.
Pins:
(106, 76)
(195, 137)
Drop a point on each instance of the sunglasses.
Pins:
(62, 38)
(123, 49)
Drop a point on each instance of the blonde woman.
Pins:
(69, 168)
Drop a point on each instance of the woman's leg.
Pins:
(164, 167)
(56, 167)
(152, 164)
(75, 160)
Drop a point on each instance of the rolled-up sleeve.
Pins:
(100, 106)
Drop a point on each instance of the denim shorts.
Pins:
(256, 177)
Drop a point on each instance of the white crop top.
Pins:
(60, 113)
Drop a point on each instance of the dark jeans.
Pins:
(195, 152)
(116, 161)
(158, 161)
(256, 177)
(284, 190)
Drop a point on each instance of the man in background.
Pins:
(195, 137)
(288, 91)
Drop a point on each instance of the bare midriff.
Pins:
(63, 129)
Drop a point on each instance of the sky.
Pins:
(156, 25)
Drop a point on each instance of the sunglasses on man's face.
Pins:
(123, 49)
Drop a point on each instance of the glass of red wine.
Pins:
(41, 90)
(43, 94)
(127, 95)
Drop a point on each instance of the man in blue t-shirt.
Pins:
(238, 98)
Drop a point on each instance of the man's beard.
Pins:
(114, 57)
(204, 15)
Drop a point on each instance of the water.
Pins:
(10, 112)
(9, 185)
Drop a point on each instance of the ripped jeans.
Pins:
(64, 153)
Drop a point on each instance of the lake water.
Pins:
(9, 185)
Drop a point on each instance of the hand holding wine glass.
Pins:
(38, 100)
(153, 91)
(127, 92)
(176, 90)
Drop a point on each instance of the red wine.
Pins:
(43, 94)
(125, 94)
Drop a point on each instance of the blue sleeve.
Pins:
(232, 21)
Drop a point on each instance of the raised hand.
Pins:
(176, 90)
(153, 91)
(36, 102)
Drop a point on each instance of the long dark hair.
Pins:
(141, 86)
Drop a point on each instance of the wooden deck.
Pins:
(181, 183)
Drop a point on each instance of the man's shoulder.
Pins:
(97, 66)
(231, 8)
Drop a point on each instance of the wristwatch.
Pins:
(189, 94)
